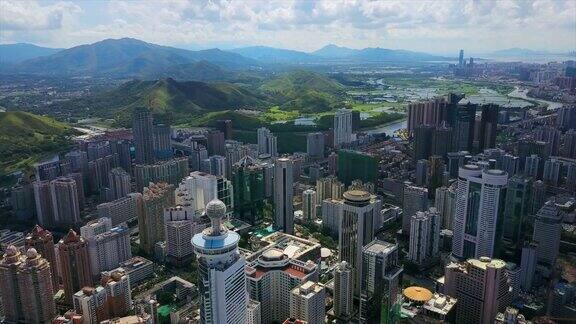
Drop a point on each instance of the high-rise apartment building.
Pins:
(343, 291)
(342, 127)
(178, 231)
(380, 284)
(92, 303)
(74, 261)
(315, 145)
(119, 183)
(65, 203)
(215, 140)
(122, 149)
(156, 197)
(510, 164)
(538, 196)
(43, 200)
(309, 205)
(308, 302)
(43, 242)
(283, 191)
(424, 236)
(464, 129)
(481, 285)
(528, 264)
(143, 131)
(488, 126)
(479, 208)
(445, 203)
(267, 143)
(123, 209)
(107, 246)
(415, 199)
(221, 278)
(547, 231)
(162, 142)
(532, 166)
(551, 175)
(197, 190)
(170, 171)
(225, 126)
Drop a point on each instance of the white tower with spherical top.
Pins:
(221, 278)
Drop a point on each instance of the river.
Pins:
(389, 128)
(523, 94)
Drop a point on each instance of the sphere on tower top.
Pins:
(215, 209)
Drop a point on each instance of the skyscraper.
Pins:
(107, 247)
(424, 236)
(547, 231)
(143, 131)
(156, 197)
(415, 199)
(225, 126)
(528, 265)
(517, 207)
(343, 290)
(215, 143)
(267, 143)
(178, 230)
(309, 205)
(283, 191)
(65, 203)
(221, 279)
(551, 175)
(356, 165)
(481, 286)
(538, 198)
(162, 142)
(119, 182)
(380, 284)
(170, 171)
(43, 199)
(479, 206)
(74, 264)
(249, 190)
(315, 145)
(464, 129)
(488, 126)
(308, 302)
(356, 229)
(461, 58)
(42, 240)
(423, 136)
(342, 127)
(445, 203)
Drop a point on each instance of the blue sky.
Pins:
(440, 26)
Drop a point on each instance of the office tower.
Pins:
(270, 279)
(478, 215)
(22, 201)
(98, 171)
(380, 282)
(48, 170)
(550, 135)
(551, 175)
(198, 154)
(516, 208)
(333, 163)
(488, 126)
(481, 285)
(156, 197)
(424, 236)
(267, 143)
(284, 213)
(422, 172)
(43, 201)
(415, 199)
(437, 170)
(342, 127)
(358, 214)
(547, 230)
(225, 126)
(122, 149)
(170, 171)
(538, 196)
(92, 303)
(356, 165)
(441, 141)
(464, 129)
(74, 263)
(528, 265)
(315, 172)
(566, 118)
(217, 165)
(143, 132)
(254, 312)
(123, 209)
(178, 230)
(26, 287)
(215, 143)
(162, 142)
(221, 279)
(308, 302)
(561, 301)
(309, 205)
(510, 164)
(315, 145)
(65, 202)
(343, 290)
(197, 190)
(461, 58)
(119, 182)
(249, 190)
(43, 242)
(225, 193)
(107, 246)
(423, 135)
(118, 293)
(569, 146)
(445, 203)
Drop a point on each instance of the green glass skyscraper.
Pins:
(353, 165)
(249, 190)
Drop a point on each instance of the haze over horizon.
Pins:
(434, 27)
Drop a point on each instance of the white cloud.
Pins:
(306, 25)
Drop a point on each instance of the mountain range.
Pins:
(132, 58)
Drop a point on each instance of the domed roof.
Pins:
(215, 209)
(31, 253)
(357, 195)
(273, 254)
(418, 294)
(11, 250)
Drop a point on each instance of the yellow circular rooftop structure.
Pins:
(357, 195)
(417, 294)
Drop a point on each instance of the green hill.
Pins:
(167, 98)
(305, 91)
(25, 137)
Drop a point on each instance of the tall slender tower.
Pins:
(343, 290)
(42, 240)
(143, 131)
(342, 127)
(74, 264)
(284, 213)
(65, 201)
(9, 290)
(221, 279)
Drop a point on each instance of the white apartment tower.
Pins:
(221, 279)
(342, 127)
(343, 290)
(308, 302)
(178, 231)
(309, 205)
(479, 203)
(65, 203)
(283, 191)
(424, 236)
